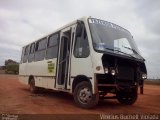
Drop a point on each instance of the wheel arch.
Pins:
(30, 77)
(78, 79)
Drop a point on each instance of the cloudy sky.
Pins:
(23, 21)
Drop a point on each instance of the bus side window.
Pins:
(31, 54)
(40, 49)
(26, 51)
(52, 46)
(81, 48)
(22, 54)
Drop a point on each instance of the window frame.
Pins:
(22, 54)
(37, 42)
(31, 53)
(56, 45)
(50, 37)
(31, 48)
(40, 50)
(26, 47)
(75, 41)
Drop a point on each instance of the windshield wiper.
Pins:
(119, 52)
(133, 51)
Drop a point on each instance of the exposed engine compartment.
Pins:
(128, 72)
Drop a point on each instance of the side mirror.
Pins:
(79, 28)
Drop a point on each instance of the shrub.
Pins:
(12, 69)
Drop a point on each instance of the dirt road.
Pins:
(16, 98)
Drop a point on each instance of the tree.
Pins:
(10, 62)
(11, 66)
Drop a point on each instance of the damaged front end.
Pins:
(124, 67)
(122, 77)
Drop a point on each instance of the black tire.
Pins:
(83, 96)
(32, 87)
(127, 97)
(141, 90)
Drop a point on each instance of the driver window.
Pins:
(81, 48)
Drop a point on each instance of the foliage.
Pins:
(10, 62)
(12, 69)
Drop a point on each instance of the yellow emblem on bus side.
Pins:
(51, 67)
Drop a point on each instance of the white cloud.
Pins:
(23, 21)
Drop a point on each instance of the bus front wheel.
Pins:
(83, 95)
(127, 97)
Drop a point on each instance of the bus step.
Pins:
(111, 97)
(107, 85)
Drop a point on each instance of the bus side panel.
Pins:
(82, 66)
(42, 68)
(22, 68)
(45, 82)
(23, 78)
(43, 72)
(38, 81)
(51, 83)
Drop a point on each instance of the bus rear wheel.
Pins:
(83, 95)
(127, 97)
(32, 86)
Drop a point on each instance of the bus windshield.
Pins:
(109, 37)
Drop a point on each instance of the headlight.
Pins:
(98, 68)
(106, 70)
(113, 72)
(144, 76)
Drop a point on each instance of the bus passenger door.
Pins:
(63, 58)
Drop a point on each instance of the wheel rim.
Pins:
(85, 95)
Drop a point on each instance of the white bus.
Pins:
(88, 58)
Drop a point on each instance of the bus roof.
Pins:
(85, 18)
(71, 23)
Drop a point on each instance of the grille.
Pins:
(125, 73)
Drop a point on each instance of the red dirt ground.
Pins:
(16, 98)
